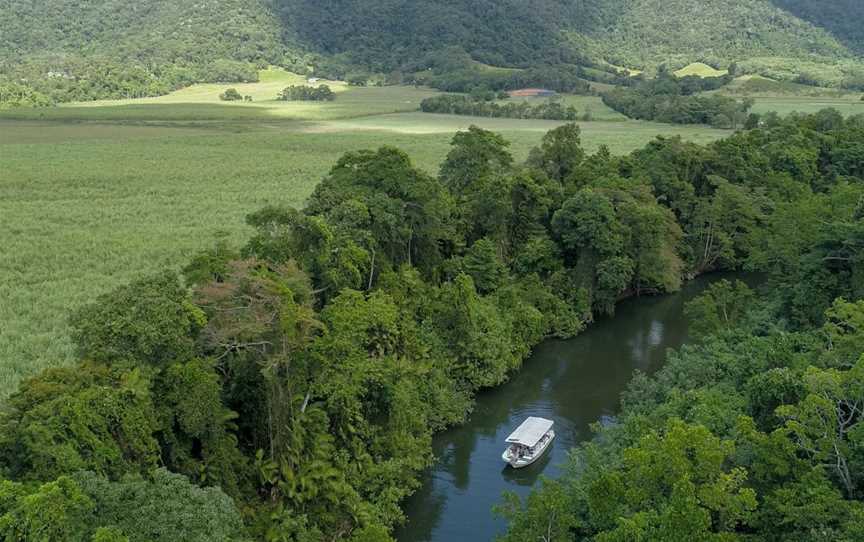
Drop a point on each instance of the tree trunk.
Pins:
(371, 271)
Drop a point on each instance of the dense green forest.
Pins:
(68, 50)
(756, 431)
(288, 389)
(640, 32)
(839, 17)
(633, 33)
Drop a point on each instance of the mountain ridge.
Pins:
(158, 45)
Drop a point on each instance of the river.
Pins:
(575, 383)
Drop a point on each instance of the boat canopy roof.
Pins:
(530, 432)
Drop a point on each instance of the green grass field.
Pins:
(96, 194)
(80, 217)
(851, 105)
(785, 97)
(201, 103)
(620, 136)
(756, 85)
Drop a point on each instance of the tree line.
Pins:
(321, 93)
(288, 389)
(667, 98)
(17, 95)
(456, 104)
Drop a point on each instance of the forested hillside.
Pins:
(73, 50)
(68, 50)
(149, 32)
(640, 33)
(842, 18)
(385, 34)
(633, 33)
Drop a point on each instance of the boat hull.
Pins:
(524, 461)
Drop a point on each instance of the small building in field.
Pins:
(532, 93)
(313, 80)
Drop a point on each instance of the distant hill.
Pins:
(635, 33)
(169, 30)
(841, 18)
(387, 33)
(643, 32)
(73, 49)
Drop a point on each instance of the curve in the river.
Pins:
(575, 383)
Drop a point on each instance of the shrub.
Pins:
(231, 95)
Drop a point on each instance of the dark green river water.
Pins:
(575, 383)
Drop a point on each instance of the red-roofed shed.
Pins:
(532, 93)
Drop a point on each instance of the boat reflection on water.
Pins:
(526, 477)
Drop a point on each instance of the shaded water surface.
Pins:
(575, 383)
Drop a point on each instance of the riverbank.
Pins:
(574, 382)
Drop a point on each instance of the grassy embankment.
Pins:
(96, 194)
(701, 70)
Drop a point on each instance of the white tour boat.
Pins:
(528, 442)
